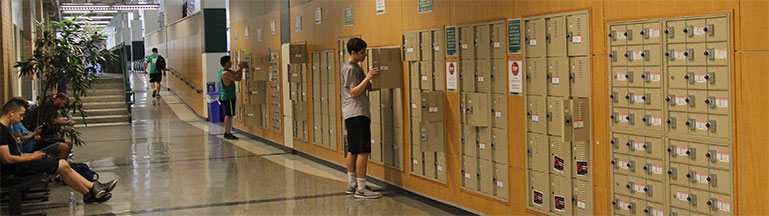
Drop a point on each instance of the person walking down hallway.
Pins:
(227, 79)
(156, 74)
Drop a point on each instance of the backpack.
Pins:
(84, 171)
(160, 65)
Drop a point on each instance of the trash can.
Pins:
(214, 107)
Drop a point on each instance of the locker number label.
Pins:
(639, 187)
(656, 120)
(581, 204)
(723, 206)
(721, 53)
(722, 157)
(558, 164)
(579, 124)
(467, 175)
(681, 151)
(657, 170)
(701, 125)
(556, 80)
(639, 98)
(582, 168)
(482, 145)
(701, 177)
(654, 32)
(623, 117)
(624, 164)
(681, 100)
(700, 78)
(463, 45)
(559, 203)
(621, 35)
(480, 78)
(500, 184)
(699, 30)
(537, 198)
(534, 117)
(433, 109)
(638, 145)
(637, 55)
(682, 196)
(497, 45)
(722, 102)
(576, 39)
(436, 48)
(657, 212)
(415, 161)
(621, 76)
(410, 49)
(679, 54)
(440, 168)
(624, 205)
(498, 114)
(533, 42)
(656, 77)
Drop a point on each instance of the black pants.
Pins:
(358, 135)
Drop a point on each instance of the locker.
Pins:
(617, 97)
(477, 108)
(679, 151)
(486, 171)
(390, 66)
(720, 181)
(633, 76)
(716, 54)
(436, 140)
(679, 212)
(410, 46)
(697, 101)
(633, 118)
(583, 197)
(580, 153)
(326, 76)
(677, 123)
(437, 44)
(654, 148)
(699, 201)
(423, 133)
(426, 75)
(696, 54)
(426, 46)
(677, 100)
(501, 188)
(638, 206)
(617, 55)
(698, 176)
(559, 117)
(462, 108)
(635, 97)
(680, 197)
(436, 106)
(317, 129)
(651, 55)
(295, 73)
(717, 29)
(325, 96)
(470, 173)
(537, 150)
(556, 36)
(466, 43)
(560, 186)
(677, 174)
(440, 167)
(316, 95)
(498, 38)
(331, 132)
(718, 78)
(620, 77)
(429, 161)
(558, 81)
(620, 118)
(651, 33)
(674, 31)
(533, 39)
(397, 106)
(623, 205)
(678, 78)
(376, 143)
(719, 157)
(293, 92)
(416, 160)
(388, 135)
(416, 105)
(332, 97)
(483, 76)
(636, 145)
(439, 76)
(323, 63)
(499, 145)
(653, 99)
(577, 32)
(617, 35)
(499, 110)
(414, 75)
(580, 76)
(619, 184)
(469, 141)
(652, 77)
(655, 170)
(695, 30)
(386, 107)
(634, 55)
(482, 41)
(560, 156)
(252, 115)
(636, 187)
(536, 78)
(498, 76)
(654, 209)
(633, 34)
(719, 204)
(467, 75)
(539, 190)
(717, 102)
(653, 120)
(484, 143)
(621, 164)
(636, 166)
(374, 108)
(698, 124)
(677, 54)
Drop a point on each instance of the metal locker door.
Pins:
(440, 167)
(537, 114)
(425, 138)
(717, 29)
(426, 45)
(617, 55)
(482, 41)
(397, 107)
(483, 76)
(717, 102)
(462, 108)
(560, 186)
(466, 43)
(499, 76)
(677, 100)
(635, 55)
(720, 205)
(635, 187)
(652, 77)
(699, 201)
(484, 143)
(580, 77)
(696, 54)
(499, 110)
(501, 188)
(426, 75)
(619, 118)
(316, 103)
(617, 97)
(716, 54)
(388, 152)
(653, 99)
(719, 126)
(655, 191)
(536, 79)
(677, 54)
(635, 98)
(534, 38)
(654, 148)
(560, 156)
(583, 197)
(651, 55)
(697, 101)
(479, 114)
(633, 34)
(558, 117)
(439, 76)
(623, 205)
(470, 173)
(633, 118)
(638, 206)
(677, 78)
(680, 197)
(499, 145)
(498, 38)
(539, 191)
(617, 35)
(580, 153)
(635, 166)
(429, 161)
(398, 140)
(326, 125)
(619, 184)
(655, 170)
(315, 67)
(718, 78)
(331, 132)
(623, 164)
(695, 30)
(437, 44)
(376, 143)
(486, 171)
(374, 109)
(698, 124)
(634, 77)
(636, 144)
(410, 46)
(580, 109)
(317, 129)
(698, 176)
(679, 151)
(555, 36)
(414, 75)
(677, 174)
(719, 157)
(469, 141)
(576, 33)
(416, 106)
(537, 150)
(651, 33)
(620, 77)
(558, 82)
(674, 31)
(416, 159)
(679, 211)
(618, 143)
(467, 75)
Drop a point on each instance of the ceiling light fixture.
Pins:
(131, 7)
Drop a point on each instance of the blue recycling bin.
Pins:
(214, 108)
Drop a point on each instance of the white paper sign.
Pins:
(272, 27)
(259, 35)
(380, 7)
(451, 76)
(318, 15)
(515, 75)
(298, 23)
(245, 33)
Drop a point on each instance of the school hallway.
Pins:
(170, 162)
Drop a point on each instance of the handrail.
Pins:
(185, 81)
(130, 95)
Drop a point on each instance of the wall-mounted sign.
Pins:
(348, 19)
(451, 41)
(451, 76)
(515, 73)
(514, 36)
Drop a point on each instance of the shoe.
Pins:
(154, 93)
(98, 190)
(108, 186)
(367, 194)
(229, 136)
(88, 198)
(351, 189)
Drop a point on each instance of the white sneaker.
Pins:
(367, 193)
(351, 189)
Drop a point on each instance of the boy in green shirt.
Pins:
(227, 79)
(155, 75)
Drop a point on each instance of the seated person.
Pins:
(54, 116)
(31, 141)
(15, 162)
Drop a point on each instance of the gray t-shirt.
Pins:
(351, 75)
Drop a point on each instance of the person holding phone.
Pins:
(32, 141)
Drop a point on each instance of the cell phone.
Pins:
(43, 124)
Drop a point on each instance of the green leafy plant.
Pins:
(65, 51)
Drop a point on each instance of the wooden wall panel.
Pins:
(752, 172)
(753, 18)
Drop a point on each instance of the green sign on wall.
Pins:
(514, 36)
(348, 21)
(425, 6)
(451, 41)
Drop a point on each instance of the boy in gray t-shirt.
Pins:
(356, 114)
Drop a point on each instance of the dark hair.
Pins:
(224, 60)
(14, 104)
(356, 45)
(155, 50)
(62, 96)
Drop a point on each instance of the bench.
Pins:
(17, 190)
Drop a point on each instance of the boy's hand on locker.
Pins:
(373, 73)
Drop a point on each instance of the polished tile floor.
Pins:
(169, 162)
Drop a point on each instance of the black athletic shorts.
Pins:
(46, 165)
(358, 135)
(228, 106)
(46, 142)
(156, 77)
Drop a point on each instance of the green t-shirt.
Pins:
(152, 59)
(227, 92)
